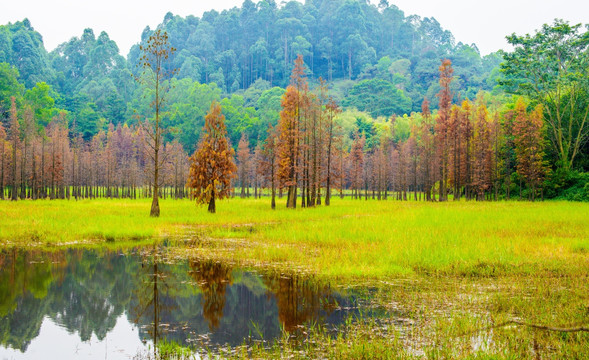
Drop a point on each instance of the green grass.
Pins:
(450, 269)
(350, 239)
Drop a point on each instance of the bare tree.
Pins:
(155, 75)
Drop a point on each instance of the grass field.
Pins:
(351, 238)
(449, 269)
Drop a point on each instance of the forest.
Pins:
(415, 110)
(284, 120)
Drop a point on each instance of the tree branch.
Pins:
(533, 326)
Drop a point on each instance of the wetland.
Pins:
(355, 280)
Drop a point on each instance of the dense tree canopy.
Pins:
(552, 68)
(379, 64)
(248, 51)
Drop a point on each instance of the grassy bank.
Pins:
(360, 239)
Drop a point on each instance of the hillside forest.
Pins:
(319, 99)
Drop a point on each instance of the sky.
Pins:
(485, 23)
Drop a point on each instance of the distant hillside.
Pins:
(376, 60)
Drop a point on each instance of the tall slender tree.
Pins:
(3, 159)
(267, 168)
(155, 75)
(332, 111)
(243, 164)
(443, 126)
(529, 147)
(15, 139)
(357, 167)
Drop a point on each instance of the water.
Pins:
(97, 304)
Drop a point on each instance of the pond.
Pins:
(97, 304)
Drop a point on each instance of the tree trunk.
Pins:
(212, 207)
(14, 160)
(273, 185)
(292, 197)
(2, 172)
(155, 205)
(273, 196)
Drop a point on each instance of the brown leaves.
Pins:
(212, 166)
(528, 130)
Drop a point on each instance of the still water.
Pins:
(99, 304)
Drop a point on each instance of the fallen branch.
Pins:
(534, 326)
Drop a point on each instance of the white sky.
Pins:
(485, 23)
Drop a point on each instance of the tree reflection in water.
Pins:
(212, 278)
(86, 291)
(299, 300)
(154, 279)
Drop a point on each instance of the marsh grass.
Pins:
(350, 239)
(447, 273)
(450, 318)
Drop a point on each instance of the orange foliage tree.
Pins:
(243, 162)
(288, 149)
(267, 166)
(15, 139)
(528, 131)
(291, 129)
(212, 166)
(443, 130)
(357, 160)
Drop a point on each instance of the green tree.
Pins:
(9, 86)
(43, 104)
(552, 68)
(379, 98)
(27, 53)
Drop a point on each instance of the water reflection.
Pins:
(299, 300)
(191, 302)
(152, 277)
(212, 278)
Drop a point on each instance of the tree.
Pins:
(332, 111)
(291, 130)
(427, 150)
(482, 160)
(243, 160)
(552, 68)
(3, 158)
(379, 98)
(15, 139)
(267, 166)
(443, 126)
(288, 148)
(156, 56)
(357, 159)
(212, 166)
(9, 86)
(528, 134)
